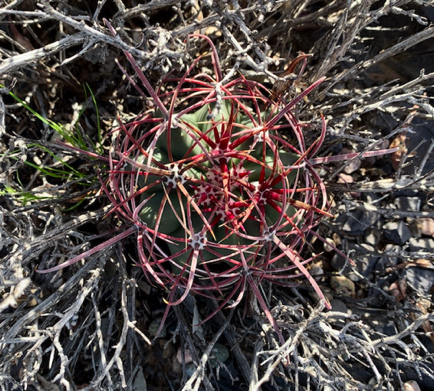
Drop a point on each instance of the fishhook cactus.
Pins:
(217, 198)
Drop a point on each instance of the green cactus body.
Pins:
(226, 189)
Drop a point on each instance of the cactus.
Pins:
(220, 199)
(217, 198)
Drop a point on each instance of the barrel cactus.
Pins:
(218, 185)
(215, 190)
(221, 201)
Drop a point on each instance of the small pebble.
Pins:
(187, 356)
(408, 204)
(348, 179)
(388, 259)
(423, 244)
(425, 226)
(316, 269)
(154, 326)
(343, 285)
(364, 257)
(396, 232)
(354, 224)
(411, 385)
(372, 237)
(166, 348)
(221, 354)
(339, 306)
(328, 248)
(353, 165)
(420, 279)
(384, 326)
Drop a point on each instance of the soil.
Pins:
(93, 325)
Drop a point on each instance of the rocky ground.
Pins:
(91, 326)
